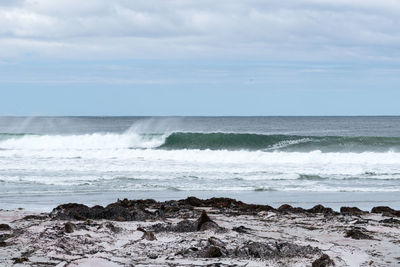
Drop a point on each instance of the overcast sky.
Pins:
(203, 57)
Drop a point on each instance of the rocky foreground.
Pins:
(195, 232)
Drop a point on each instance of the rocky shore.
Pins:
(195, 232)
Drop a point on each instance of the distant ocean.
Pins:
(336, 161)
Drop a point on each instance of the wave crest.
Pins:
(200, 141)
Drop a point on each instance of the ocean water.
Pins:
(45, 161)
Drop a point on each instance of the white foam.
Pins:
(83, 142)
(101, 159)
(287, 143)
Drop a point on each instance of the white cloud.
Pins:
(276, 30)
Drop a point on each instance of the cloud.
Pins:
(274, 30)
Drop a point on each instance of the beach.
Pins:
(173, 191)
(199, 133)
(195, 232)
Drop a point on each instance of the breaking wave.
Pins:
(201, 141)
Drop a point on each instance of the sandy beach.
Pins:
(195, 232)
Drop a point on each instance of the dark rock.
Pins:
(4, 227)
(69, 227)
(274, 250)
(289, 209)
(3, 244)
(116, 212)
(141, 229)
(212, 252)
(137, 210)
(361, 222)
(119, 211)
(149, 236)
(194, 201)
(323, 261)
(162, 227)
(216, 242)
(71, 211)
(152, 256)
(285, 208)
(241, 229)
(209, 226)
(351, 211)
(321, 209)
(184, 226)
(390, 221)
(381, 209)
(225, 203)
(20, 260)
(386, 211)
(205, 223)
(4, 237)
(357, 233)
(113, 228)
(202, 220)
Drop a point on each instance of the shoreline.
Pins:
(304, 199)
(192, 231)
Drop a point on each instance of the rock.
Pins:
(212, 252)
(316, 209)
(241, 229)
(137, 210)
(119, 211)
(209, 226)
(71, 211)
(204, 222)
(20, 260)
(4, 227)
(216, 242)
(361, 221)
(351, 211)
(120, 219)
(357, 233)
(386, 211)
(149, 236)
(224, 203)
(390, 221)
(323, 261)
(274, 250)
(194, 201)
(321, 209)
(184, 226)
(4, 237)
(152, 256)
(113, 228)
(69, 227)
(289, 209)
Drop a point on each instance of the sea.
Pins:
(302, 161)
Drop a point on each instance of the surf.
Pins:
(201, 141)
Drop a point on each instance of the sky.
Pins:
(199, 57)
